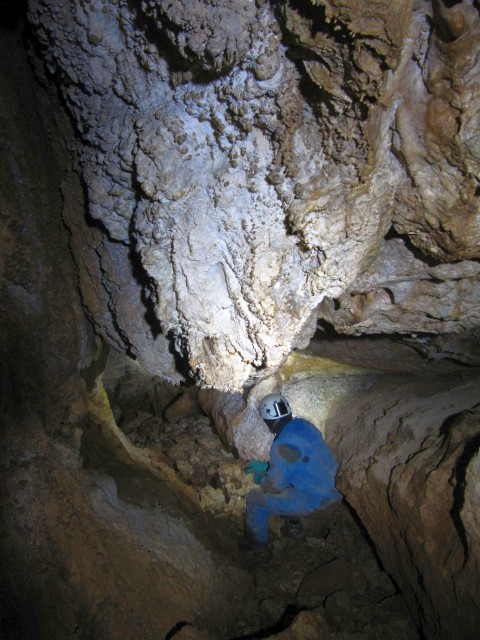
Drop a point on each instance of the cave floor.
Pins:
(330, 585)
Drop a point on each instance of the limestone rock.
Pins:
(45, 340)
(401, 293)
(212, 36)
(188, 632)
(214, 198)
(408, 446)
(235, 189)
(337, 575)
(419, 443)
(184, 406)
(438, 205)
(308, 625)
(75, 528)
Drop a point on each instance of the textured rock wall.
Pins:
(44, 337)
(407, 444)
(293, 168)
(402, 293)
(96, 542)
(245, 161)
(409, 453)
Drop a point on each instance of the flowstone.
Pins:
(243, 163)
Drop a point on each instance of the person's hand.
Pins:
(258, 468)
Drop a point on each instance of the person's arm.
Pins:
(280, 470)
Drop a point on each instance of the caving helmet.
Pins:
(274, 407)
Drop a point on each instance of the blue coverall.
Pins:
(300, 478)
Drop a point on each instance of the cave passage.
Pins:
(333, 578)
(243, 197)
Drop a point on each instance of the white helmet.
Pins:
(274, 406)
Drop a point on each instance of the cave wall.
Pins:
(44, 339)
(244, 162)
(404, 469)
(230, 190)
(406, 433)
(96, 541)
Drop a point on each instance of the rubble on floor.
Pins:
(329, 586)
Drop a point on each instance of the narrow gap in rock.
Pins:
(333, 577)
(470, 449)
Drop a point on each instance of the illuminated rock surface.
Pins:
(205, 187)
(249, 163)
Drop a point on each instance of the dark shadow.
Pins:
(286, 619)
(369, 541)
(373, 548)
(154, 32)
(447, 425)
(417, 253)
(17, 617)
(337, 33)
(180, 358)
(174, 630)
(147, 294)
(469, 450)
(13, 14)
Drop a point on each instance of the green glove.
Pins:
(258, 468)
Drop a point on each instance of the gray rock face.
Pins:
(226, 155)
(402, 293)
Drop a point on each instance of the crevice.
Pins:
(147, 293)
(469, 450)
(176, 628)
(368, 540)
(284, 622)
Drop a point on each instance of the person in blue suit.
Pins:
(299, 478)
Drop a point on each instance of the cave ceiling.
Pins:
(243, 169)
